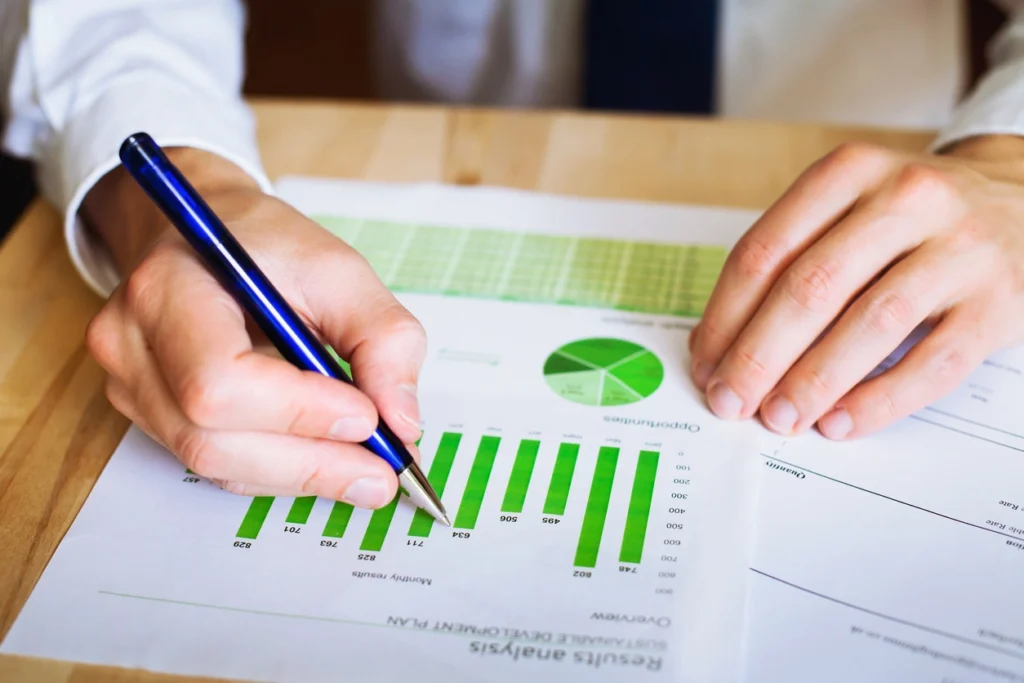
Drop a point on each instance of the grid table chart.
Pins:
(658, 278)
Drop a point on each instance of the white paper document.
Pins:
(606, 527)
(601, 516)
(897, 557)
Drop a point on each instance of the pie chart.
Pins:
(603, 372)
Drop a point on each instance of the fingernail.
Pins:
(367, 492)
(702, 373)
(779, 414)
(408, 405)
(724, 401)
(350, 429)
(836, 425)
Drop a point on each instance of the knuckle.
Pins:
(341, 252)
(712, 341)
(971, 236)
(810, 286)
(887, 407)
(715, 334)
(311, 479)
(101, 339)
(142, 285)
(203, 398)
(750, 366)
(819, 382)
(855, 153)
(753, 258)
(301, 418)
(404, 334)
(887, 313)
(948, 366)
(192, 444)
(709, 328)
(919, 184)
(324, 265)
(405, 325)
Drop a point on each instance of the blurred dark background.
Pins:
(285, 37)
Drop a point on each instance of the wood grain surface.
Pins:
(57, 429)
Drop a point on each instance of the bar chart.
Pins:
(506, 497)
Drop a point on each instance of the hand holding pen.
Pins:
(186, 367)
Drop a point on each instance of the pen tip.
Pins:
(418, 490)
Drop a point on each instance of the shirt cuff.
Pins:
(996, 107)
(87, 149)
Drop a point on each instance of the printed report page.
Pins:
(897, 557)
(601, 516)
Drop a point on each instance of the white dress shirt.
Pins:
(867, 62)
(77, 77)
(87, 74)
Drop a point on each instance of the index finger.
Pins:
(385, 344)
(818, 199)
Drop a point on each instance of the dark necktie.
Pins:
(650, 55)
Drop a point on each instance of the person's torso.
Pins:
(875, 62)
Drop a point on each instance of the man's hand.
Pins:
(867, 245)
(186, 365)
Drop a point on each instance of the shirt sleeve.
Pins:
(996, 105)
(89, 74)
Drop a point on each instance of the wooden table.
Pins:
(57, 429)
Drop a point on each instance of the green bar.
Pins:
(639, 507)
(253, 521)
(440, 468)
(338, 359)
(561, 478)
(597, 507)
(519, 480)
(377, 529)
(476, 486)
(338, 520)
(299, 512)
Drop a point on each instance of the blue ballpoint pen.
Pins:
(236, 271)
